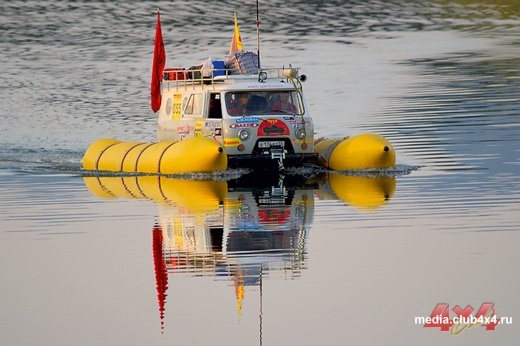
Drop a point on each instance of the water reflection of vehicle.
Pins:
(236, 230)
(208, 221)
(219, 228)
(247, 228)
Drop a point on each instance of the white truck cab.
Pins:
(254, 117)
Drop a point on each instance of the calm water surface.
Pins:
(320, 259)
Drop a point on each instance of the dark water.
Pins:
(231, 260)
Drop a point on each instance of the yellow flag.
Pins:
(236, 41)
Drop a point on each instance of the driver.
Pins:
(239, 107)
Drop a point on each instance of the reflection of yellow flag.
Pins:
(236, 41)
(239, 291)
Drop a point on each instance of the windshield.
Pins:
(242, 103)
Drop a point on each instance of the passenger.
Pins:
(284, 105)
(239, 107)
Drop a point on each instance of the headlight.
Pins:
(300, 133)
(243, 134)
(262, 76)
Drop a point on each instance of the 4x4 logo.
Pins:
(440, 318)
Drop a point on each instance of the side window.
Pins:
(194, 106)
(215, 108)
(189, 106)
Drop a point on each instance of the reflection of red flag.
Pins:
(161, 272)
(159, 60)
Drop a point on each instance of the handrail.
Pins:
(181, 77)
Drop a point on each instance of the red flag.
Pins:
(159, 60)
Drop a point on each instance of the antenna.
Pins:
(257, 35)
(261, 302)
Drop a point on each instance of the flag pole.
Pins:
(257, 35)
